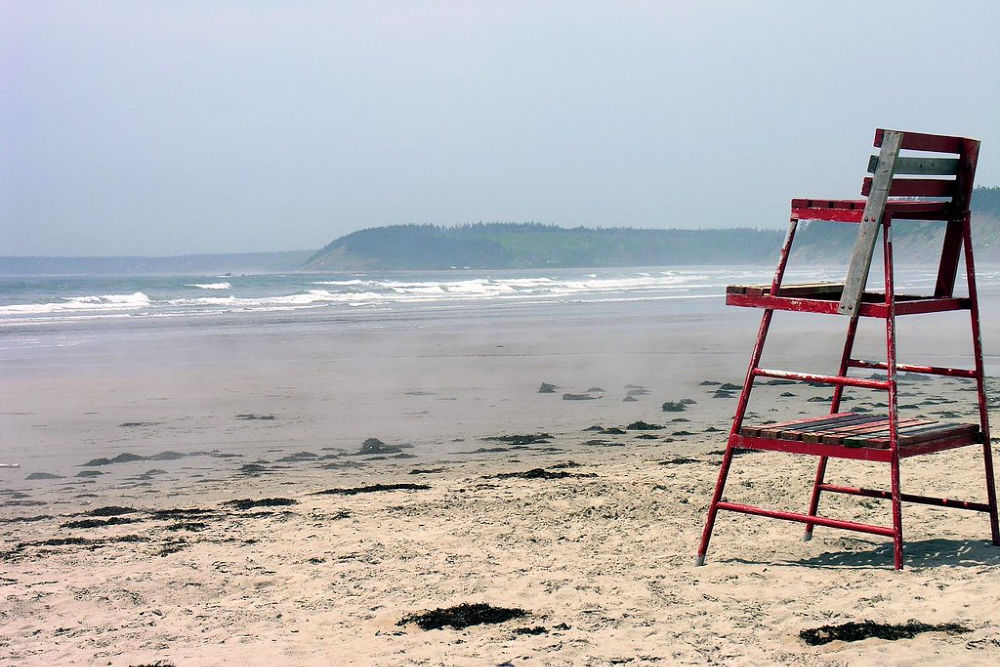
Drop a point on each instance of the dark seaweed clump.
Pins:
(181, 513)
(855, 631)
(542, 473)
(462, 616)
(43, 475)
(530, 439)
(643, 426)
(737, 451)
(248, 503)
(99, 523)
(121, 458)
(680, 460)
(372, 489)
(298, 456)
(111, 510)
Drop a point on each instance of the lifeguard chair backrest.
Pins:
(952, 183)
(960, 169)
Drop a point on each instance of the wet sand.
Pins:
(289, 495)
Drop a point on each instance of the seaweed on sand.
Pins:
(462, 616)
(542, 473)
(856, 631)
(111, 510)
(680, 460)
(372, 489)
(529, 439)
(644, 426)
(248, 503)
(99, 523)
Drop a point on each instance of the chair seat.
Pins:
(852, 210)
(825, 297)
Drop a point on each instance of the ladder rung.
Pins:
(825, 379)
(805, 518)
(909, 368)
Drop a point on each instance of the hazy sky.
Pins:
(187, 127)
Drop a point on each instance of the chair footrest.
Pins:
(825, 435)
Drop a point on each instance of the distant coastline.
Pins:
(536, 246)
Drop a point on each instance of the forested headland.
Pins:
(534, 245)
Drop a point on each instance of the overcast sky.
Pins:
(187, 127)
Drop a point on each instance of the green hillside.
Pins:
(533, 245)
(515, 246)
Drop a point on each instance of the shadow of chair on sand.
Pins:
(918, 554)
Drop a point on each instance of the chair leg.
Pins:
(991, 494)
(897, 516)
(741, 408)
(890, 349)
(713, 508)
(814, 500)
(727, 458)
(977, 346)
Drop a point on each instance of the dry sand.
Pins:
(601, 560)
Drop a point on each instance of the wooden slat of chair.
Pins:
(837, 435)
(881, 426)
(913, 426)
(915, 187)
(920, 166)
(944, 431)
(813, 434)
(794, 431)
(913, 436)
(918, 141)
(754, 431)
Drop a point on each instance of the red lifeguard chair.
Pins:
(883, 438)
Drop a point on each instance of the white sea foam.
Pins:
(210, 285)
(489, 288)
(105, 302)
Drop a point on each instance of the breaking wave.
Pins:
(89, 304)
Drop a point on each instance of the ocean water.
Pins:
(39, 311)
(34, 300)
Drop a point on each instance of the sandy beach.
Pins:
(283, 495)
